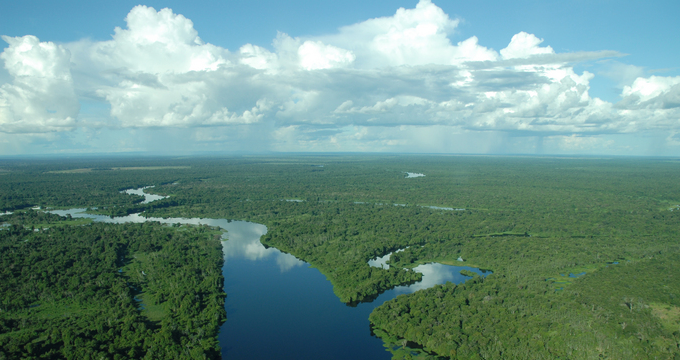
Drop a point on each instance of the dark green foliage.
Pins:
(70, 292)
(79, 182)
(340, 240)
(604, 315)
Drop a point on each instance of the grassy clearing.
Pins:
(87, 170)
(153, 310)
(505, 233)
(71, 171)
(564, 279)
(150, 168)
(668, 315)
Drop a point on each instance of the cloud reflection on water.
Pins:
(147, 197)
(436, 274)
(433, 274)
(244, 242)
(242, 239)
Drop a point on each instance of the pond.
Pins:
(147, 197)
(278, 307)
(381, 261)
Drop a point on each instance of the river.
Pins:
(278, 307)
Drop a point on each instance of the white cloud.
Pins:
(158, 72)
(661, 91)
(157, 42)
(524, 45)
(315, 55)
(181, 103)
(294, 54)
(410, 37)
(356, 89)
(382, 106)
(257, 57)
(41, 97)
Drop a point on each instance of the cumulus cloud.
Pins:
(41, 97)
(294, 54)
(158, 72)
(524, 45)
(257, 57)
(357, 88)
(316, 55)
(157, 42)
(655, 91)
(382, 106)
(410, 37)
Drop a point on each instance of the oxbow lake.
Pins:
(278, 307)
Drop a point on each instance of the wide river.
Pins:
(278, 307)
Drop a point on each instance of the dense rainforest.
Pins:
(108, 291)
(582, 249)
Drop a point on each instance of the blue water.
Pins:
(291, 315)
(278, 307)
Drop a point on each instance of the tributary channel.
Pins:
(278, 307)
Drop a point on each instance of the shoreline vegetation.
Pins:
(531, 221)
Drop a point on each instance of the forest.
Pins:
(108, 291)
(582, 250)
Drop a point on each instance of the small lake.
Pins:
(280, 308)
(147, 197)
(410, 175)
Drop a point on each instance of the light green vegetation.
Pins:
(150, 168)
(668, 315)
(87, 170)
(70, 171)
(468, 273)
(504, 233)
(153, 308)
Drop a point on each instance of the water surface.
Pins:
(147, 197)
(278, 307)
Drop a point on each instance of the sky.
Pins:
(537, 77)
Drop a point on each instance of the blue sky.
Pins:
(523, 77)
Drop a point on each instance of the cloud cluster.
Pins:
(41, 97)
(384, 73)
